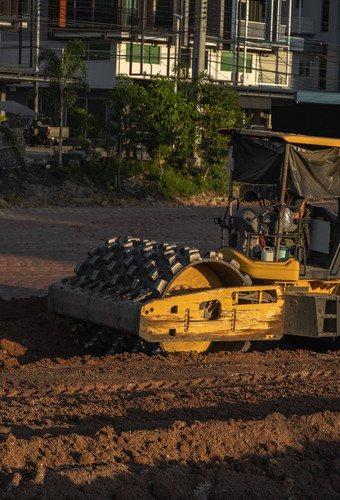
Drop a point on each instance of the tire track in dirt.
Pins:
(326, 379)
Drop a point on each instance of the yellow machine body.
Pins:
(257, 269)
(284, 273)
(180, 317)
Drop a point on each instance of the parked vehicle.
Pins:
(35, 135)
(41, 130)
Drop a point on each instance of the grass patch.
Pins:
(109, 179)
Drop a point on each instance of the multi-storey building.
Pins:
(265, 49)
(315, 72)
(317, 67)
(12, 19)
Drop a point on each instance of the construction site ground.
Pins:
(260, 425)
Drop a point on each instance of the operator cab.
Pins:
(273, 218)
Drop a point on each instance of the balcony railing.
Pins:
(257, 30)
(254, 30)
(114, 18)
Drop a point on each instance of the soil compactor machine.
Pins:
(277, 271)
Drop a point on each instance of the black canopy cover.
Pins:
(311, 173)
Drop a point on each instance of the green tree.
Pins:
(66, 74)
(171, 125)
(218, 108)
(85, 122)
(128, 105)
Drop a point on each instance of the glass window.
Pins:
(257, 10)
(151, 53)
(134, 50)
(325, 15)
(99, 51)
(227, 61)
(86, 13)
(25, 8)
(249, 63)
(185, 58)
(304, 67)
(243, 10)
(163, 14)
(130, 12)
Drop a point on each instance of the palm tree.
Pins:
(66, 75)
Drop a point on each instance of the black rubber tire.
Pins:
(47, 142)
(132, 268)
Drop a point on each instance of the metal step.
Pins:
(312, 314)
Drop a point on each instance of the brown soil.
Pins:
(259, 425)
(228, 425)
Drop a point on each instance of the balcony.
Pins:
(257, 31)
(91, 22)
(9, 16)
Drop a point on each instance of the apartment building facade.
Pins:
(12, 20)
(265, 49)
(317, 66)
(315, 72)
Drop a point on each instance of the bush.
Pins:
(177, 185)
(217, 179)
(109, 173)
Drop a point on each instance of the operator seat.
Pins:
(245, 222)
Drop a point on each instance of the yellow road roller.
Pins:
(277, 270)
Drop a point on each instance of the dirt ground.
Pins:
(259, 425)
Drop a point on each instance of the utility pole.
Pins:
(177, 49)
(238, 37)
(200, 34)
(37, 46)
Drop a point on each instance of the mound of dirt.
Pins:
(9, 352)
(12, 348)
